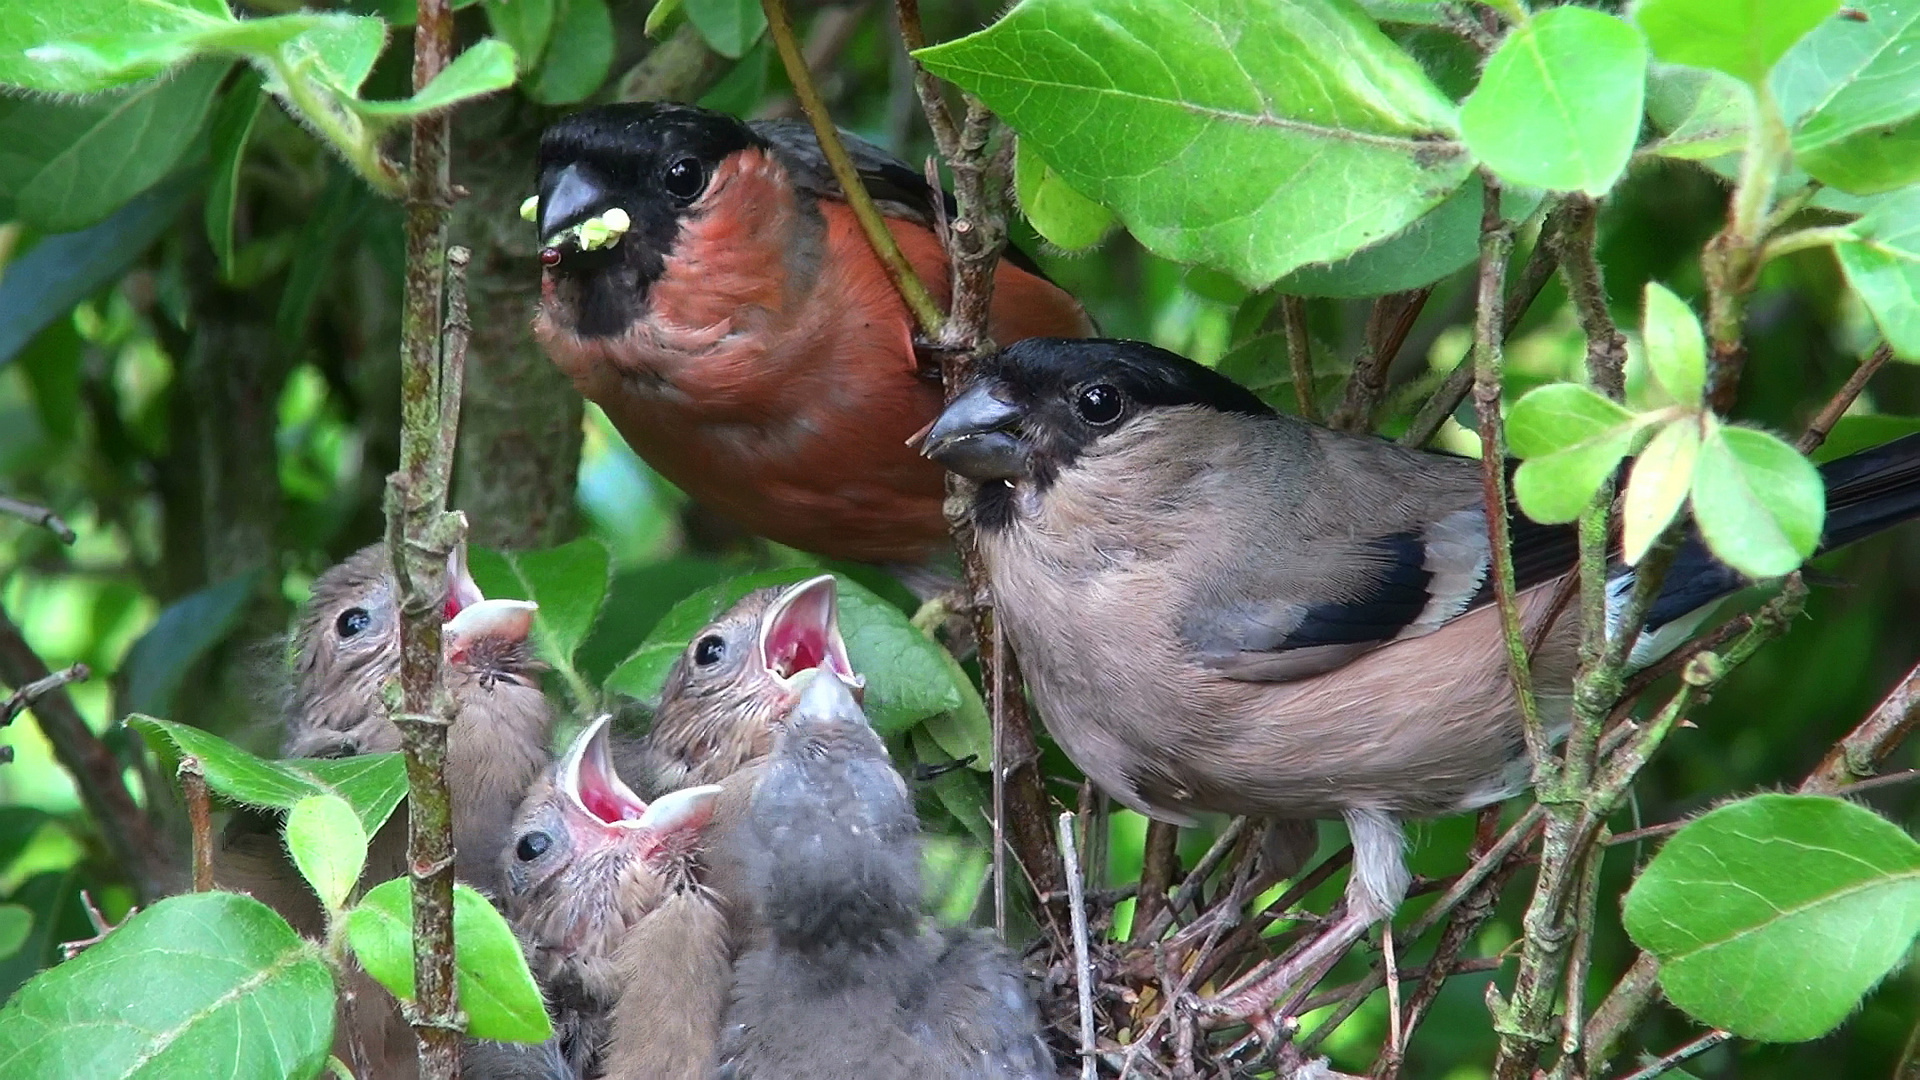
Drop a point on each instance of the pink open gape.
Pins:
(598, 788)
(803, 632)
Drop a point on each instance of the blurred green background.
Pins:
(218, 435)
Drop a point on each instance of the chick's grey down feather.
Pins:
(849, 977)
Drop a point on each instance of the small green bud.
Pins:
(530, 208)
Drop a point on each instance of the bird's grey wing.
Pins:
(902, 192)
(1354, 576)
(995, 1027)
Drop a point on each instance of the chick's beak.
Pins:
(824, 701)
(462, 591)
(801, 631)
(974, 437)
(506, 621)
(567, 197)
(590, 784)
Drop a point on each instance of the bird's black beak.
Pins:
(567, 198)
(974, 437)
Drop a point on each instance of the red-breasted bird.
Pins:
(706, 285)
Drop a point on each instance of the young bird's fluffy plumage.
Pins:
(631, 947)
(346, 642)
(848, 977)
(741, 334)
(1218, 608)
(727, 691)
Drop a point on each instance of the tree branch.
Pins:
(129, 832)
(1392, 317)
(1836, 407)
(1293, 312)
(913, 291)
(420, 537)
(38, 515)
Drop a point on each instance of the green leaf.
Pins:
(730, 26)
(208, 985)
(486, 66)
(1065, 217)
(1847, 90)
(1662, 474)
(1301, 136)
(1774, 915)
(1676, 347)
(68, 166)
(1740, 37)
(164, 656)
(112, 59)
(1703, 113)
(232, 127)
(523, 24)
(373, 784)
(1759, 503)
(909, 676)
(568, 582)
(328, 845)
(1883, 266)
(658, 18)
(1559, 103)
(60, 271)
(581, 55)
(1570, 439)
(494, 987)
(16, 925)
(25, 26)
(966, 729)
(1862, 431)
(1444, 240)
(338, 52)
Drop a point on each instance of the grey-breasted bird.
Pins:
(1218, 608)
(604, 890)
(848, 977)
(725, 694)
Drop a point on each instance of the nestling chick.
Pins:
(347, 643)
(595, 878)
(849, 977)
(726, 693)
(739, 331)
(1223, 609)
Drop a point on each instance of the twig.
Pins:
(1156, 876)
(22, 699)
(679, 68)
(420, 537)
(1459, 382)
(1860, 752)
(999, 783)
(974, 240)
(1387, 326)
(130, 834)
(38, 515)
(1698, 1046)
(1293, 314)
(1190, 888)
(913, 292)
(1496, 244)
(1823, 423)
(1083, 968)
(1609, 1025)
(193, 783)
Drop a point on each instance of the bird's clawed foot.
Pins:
(1256, 999)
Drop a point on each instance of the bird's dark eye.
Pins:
(685, 179)
(709, 650)
(532, 846)
(1099, 404)
(352, 621)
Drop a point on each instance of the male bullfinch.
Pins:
(848, 977)
(606, 892)
(706, 285)
(1219, 608)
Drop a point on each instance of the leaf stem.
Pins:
(1801, 240)
(1732, 257)
(346, 133)
(1293, 313)
(913, 292)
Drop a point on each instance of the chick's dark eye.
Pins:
(532, 846)
(1099, 404)
(352, 621)
(685, 179)
(709, 650)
